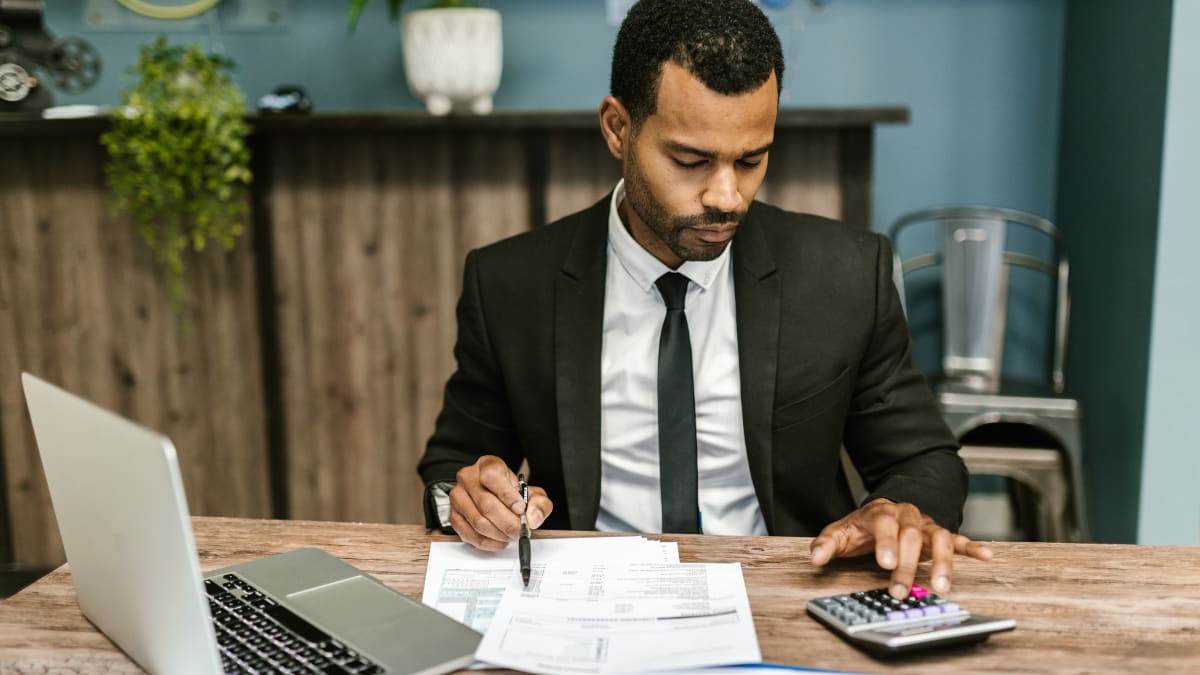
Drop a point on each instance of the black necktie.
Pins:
(676, 413)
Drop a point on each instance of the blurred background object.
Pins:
(27, 49)
(288, 98)
(989, 263)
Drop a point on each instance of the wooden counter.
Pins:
(1080, 608)
(319, 347)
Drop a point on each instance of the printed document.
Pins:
(466, 584)
(619, 617)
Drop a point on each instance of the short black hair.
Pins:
(729, 45)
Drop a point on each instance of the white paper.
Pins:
(466, 584)
(603, 617)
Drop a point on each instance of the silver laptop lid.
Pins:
(120, 505)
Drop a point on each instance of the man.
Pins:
(572, 352)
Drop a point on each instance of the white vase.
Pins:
(453, 57)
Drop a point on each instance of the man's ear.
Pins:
(616, 125)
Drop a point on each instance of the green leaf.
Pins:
(178, 161)
(355, 11)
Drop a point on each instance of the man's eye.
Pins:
(749, 163)
(688, 165)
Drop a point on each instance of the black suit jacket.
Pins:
(824, 354)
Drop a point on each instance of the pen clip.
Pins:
(523, 487)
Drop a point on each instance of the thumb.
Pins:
(502, 482)
(822, 551)
(831, 542)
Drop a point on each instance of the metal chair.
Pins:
(972, 246)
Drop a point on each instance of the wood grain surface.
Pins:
(81, 305)
(1080, 608)
(320, 347)
(368, 253)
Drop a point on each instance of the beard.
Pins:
(668, 228)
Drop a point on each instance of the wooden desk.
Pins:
(1079, 607)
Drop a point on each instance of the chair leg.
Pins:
(1038, 472)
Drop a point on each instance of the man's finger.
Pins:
(497, 478)
(910, 540)
(468, 534)
(540, 507)
(941, 547)
(487, 482)
(886, 530)
(465, 503)
(845, 538)
(830, 543)
(822, 550)
(971, 549)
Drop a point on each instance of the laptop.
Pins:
(121, 510)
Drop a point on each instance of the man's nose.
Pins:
(721, 192)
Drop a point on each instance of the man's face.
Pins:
(694, 166)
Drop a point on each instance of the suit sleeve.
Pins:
(895, 433)
(476, 419)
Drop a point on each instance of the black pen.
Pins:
(523, 542)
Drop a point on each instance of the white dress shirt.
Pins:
(630, 500)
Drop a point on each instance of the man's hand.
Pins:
(486, 506)
(902, 536)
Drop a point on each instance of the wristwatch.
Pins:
(437, 505)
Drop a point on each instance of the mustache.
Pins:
(710, 217)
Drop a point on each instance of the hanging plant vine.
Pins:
(178, 160)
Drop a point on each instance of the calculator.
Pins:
(882, 625)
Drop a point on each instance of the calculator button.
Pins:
(914, 612)
(950, 608)
(918, 591)
(895, 615)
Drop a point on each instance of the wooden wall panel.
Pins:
(804, 173)
(856, 148)
(360, 230)
(81, 305)
(369, 246)
(580, 170)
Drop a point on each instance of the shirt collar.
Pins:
(641, 265)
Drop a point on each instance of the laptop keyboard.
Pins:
(258, 635)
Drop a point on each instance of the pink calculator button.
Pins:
(918, 592)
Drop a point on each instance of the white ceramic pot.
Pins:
(452, 57)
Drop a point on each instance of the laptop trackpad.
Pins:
(382, 623)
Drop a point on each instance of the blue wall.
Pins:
(981, 77)
(1170, 503)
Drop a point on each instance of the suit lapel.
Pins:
(579, 325)
(756, 289)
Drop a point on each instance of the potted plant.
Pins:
(453, 53)
(178, 161)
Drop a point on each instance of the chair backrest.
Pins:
(972, 247)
